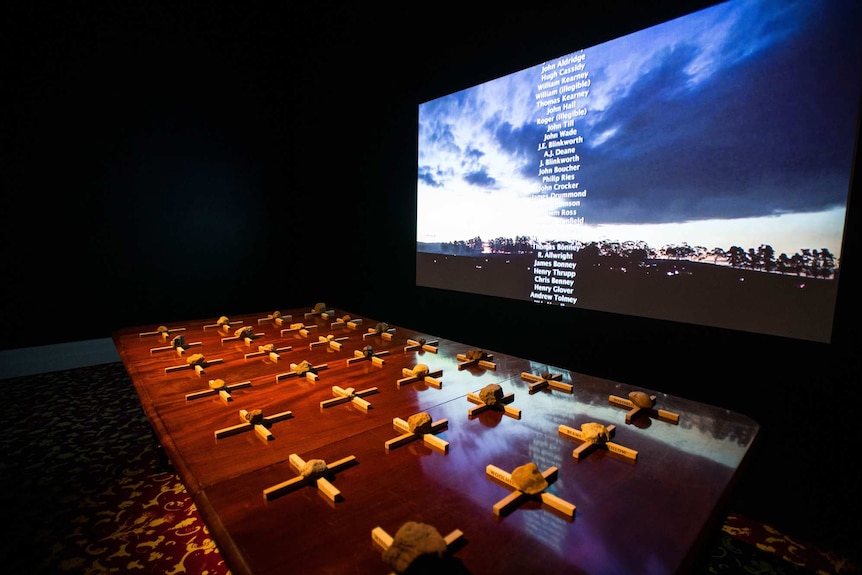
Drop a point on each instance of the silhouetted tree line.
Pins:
(806, 262)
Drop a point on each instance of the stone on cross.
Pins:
(245, 333)
(476, 357)
(382, 330)
(419, 426)
(596, 436)
(420, 372)
(220, 388)
(223, 323)
(348, 394)
(330, 341)
(302, 369)
(314, 472)
(368, 354)
(196, 361)
(178, 344)
(491, 397)
(421, 345)
(299, 328)
(319, 309)
(641, 403)
(547, 380)
(275, 318)
(269, 350)
(162, 331)
(416, 541)
(528, 483)
(346, 321)
(254, 419)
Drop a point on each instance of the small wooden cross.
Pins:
(334, 343)
(218, 386)
(254, 420)
(346, 321)
(640, 403)
(270, 350)
(549, 380)
(276, 318)
(343, 395)
(245, 334)
(197, 362)
(314, 472)
(594, 436)
(382, 329)
(178, 343)
(299, 328)
(162, 331)
(304, 369)
(420, 372)
(421, 344)
(501, 402)
(368, 354)
(476, 357)
(517, 497)
(426, 432)
(223, 323)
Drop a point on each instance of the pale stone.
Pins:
(319, 307)
(223, 320)
(413, 540)
(595, 432)
(529, 479)
(216, 383)
(419, 423)
(302, 367)
(254, 416)
(420, 370)
(313, 468)
(476, 354)
(246, 331)
(195, 359)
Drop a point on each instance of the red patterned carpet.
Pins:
(85, 487)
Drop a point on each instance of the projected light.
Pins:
(696, 171)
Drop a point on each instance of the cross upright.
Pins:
(313, 472)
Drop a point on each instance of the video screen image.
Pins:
(696, 171)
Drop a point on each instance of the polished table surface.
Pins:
(647, 516)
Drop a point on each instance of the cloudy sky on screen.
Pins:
(732, 126)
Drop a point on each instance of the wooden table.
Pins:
(647, 516)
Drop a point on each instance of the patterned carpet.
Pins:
(88, 491)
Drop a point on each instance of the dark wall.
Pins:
(171, 161)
